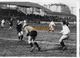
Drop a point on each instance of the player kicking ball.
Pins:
(65, 34)
(32, 34)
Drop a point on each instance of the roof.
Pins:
(58, 13)
(23, 4)
(30, 4)
(27, 4)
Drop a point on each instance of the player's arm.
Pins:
(61, 31)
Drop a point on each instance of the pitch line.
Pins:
(55, 32)
(44, 42)
(55, 43)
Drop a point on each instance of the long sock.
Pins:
(37, 45)
(62, 44)
(31, 44)
(21, 37)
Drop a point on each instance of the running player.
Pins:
(51, 26)
(11, 23)
(19, 30)
(65, 34)
(2, 23)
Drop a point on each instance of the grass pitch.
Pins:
(48, 41)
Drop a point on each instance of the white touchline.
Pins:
(47, 42)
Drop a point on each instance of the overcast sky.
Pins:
(71, 3)
(68, 2)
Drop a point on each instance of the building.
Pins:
(22, 9)
(60, 8)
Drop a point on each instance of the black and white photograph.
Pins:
(38, 28)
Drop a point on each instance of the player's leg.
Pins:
(52, 29)
(32, 45)
(61, 40)
(35, 43)
(67, 37)
(49, 29)
(30, 41)
(2, 25)
(20, 35)
(62, 43)
(9, 26)
(33, 35)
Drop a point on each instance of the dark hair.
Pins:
(64, 22)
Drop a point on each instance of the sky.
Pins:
(71, 3)
(68, 2)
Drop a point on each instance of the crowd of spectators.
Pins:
(33, 17)
(56, 18)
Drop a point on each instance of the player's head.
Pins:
(64, 22)
(24, 21)
(18, 21)
(21, 22)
